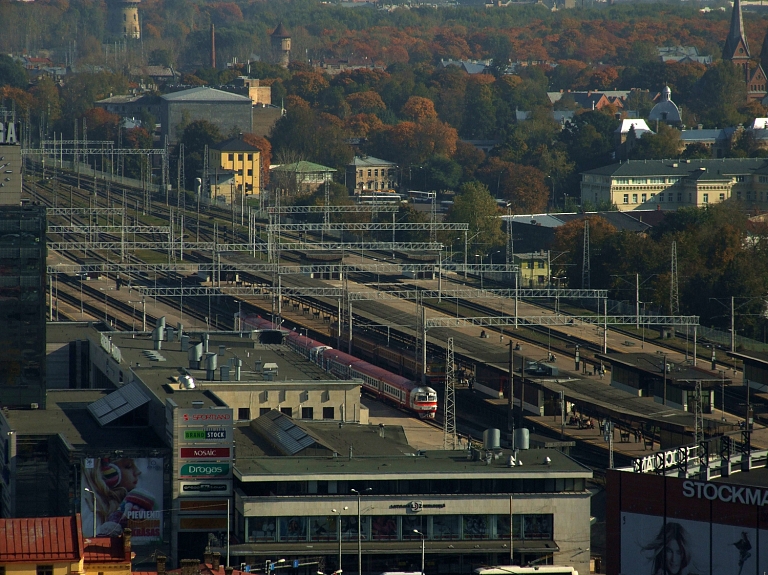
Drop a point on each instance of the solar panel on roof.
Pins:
(118, 403)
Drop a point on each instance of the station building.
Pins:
(297, 486)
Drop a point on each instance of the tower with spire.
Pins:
(736, 50)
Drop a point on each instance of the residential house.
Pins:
(534, 268)
(682, 54)
(592, 99)
(367, 173)
(469, 66)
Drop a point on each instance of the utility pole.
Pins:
(585, 269)
(674, 293)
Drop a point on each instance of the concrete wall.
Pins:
(229, 117)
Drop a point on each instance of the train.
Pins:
(382, 384)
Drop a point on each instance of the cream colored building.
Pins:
(672, 184)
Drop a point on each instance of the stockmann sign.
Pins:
(204, 469)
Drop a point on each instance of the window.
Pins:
(679, 197)
(634, 198)
(722, 197)
(287, 411)
(661, 197)
(541, 265)
(739, 178)
(231, 157)
(369, 172)
(376, 172)
(656, 180)
(738, 195)
(264, 410)
(244, 413)
(250, 157)
(45, 570)
(644, 197)
(239, 157)
(360, 173)
(328, 413)
(250, 173)
(705, 198)
(626, 198)
(307, 413)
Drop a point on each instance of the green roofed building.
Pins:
(300, 177)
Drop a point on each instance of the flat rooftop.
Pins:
(417, 465)
(67, 415)
(680, 374)
(161, 369)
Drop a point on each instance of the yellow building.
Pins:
(238, 159)
(533, 269)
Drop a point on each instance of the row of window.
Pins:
(390, 173)
(644, 181)
(531, 527)
(376, 185)
(244, 413)
(414, 487)
(231, 157)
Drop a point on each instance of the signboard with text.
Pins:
(205, 453)
(204, 488)
(205, 469)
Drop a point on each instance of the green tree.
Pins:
(663, 144)
(196, 136)
(475, 206)
(442, 173)
(12, 73)
(696, 151)
(720, 93)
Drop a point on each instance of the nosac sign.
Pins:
(725, 493)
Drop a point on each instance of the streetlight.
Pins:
(359, 530)
(338, 520)
(479, 271)
(93, 494)
(423, 539)
(722, 394)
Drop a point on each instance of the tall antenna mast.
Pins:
(585, 271)
(674, 293)
(449, 401)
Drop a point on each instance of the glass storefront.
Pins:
(538, 526)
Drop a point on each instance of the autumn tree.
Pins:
(522, 186)
(418, 109)
(365, 102)
(569, 238)
(665, 143)
(265, 154)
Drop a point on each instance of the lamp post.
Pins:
(93, 494)
(420, 534)
(722, 394)
(338, 520)
(359, 530)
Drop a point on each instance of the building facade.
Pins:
(672, 184)
(230, 113)
(736, 50)
(367, 173)
(459, 502)
(243, 161)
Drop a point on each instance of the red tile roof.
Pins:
(105, 550)
(39, 539)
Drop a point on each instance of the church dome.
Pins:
(666, 110)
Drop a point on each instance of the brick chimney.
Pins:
(127, 542)
(161, 559)
(216, 563)
(228, 570)
(208, 558)
(190, 567)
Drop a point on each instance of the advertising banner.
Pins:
(127, 493)
(674, 526)
(205, 453)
